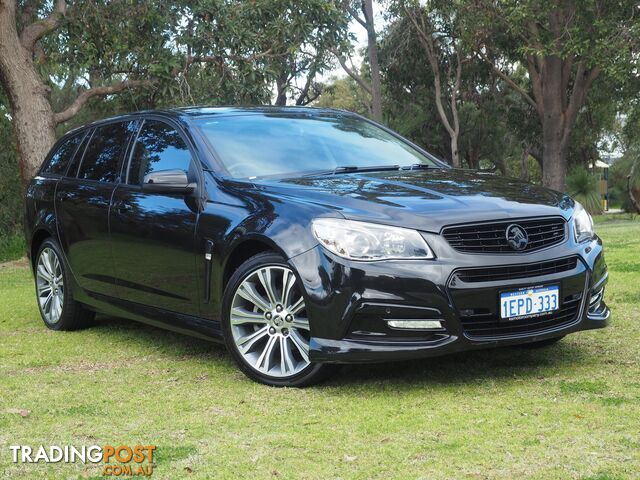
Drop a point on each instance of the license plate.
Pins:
(529, 302)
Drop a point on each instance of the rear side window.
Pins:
(103, 156)
(158, 147)
(62, 156)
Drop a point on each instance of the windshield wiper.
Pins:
(351, 169)
(418, 166)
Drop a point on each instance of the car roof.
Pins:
(207, 111)
(198, 111)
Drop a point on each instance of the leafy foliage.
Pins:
(272, 51)
(204, 51)
(582, 185)
(344, 94)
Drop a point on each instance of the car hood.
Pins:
(423, 199)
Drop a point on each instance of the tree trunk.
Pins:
(281, 89)
(455, 153)
(554, 125)
(32, 115)
(554, 149)
(425, 34)
(554, 162)
(374, 65)
(473, 157)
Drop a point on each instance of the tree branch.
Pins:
(509, 81)
(567, 66)
(304, 93)
(427, 44)
(35, 31)
(535, 67)
(581, 86)
(85, 95)
(456, 89)
(356, 17)
(359, 80)
(191, 59)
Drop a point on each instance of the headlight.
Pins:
(582, 224)
(369, 241)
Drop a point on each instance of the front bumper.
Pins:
(349, 303)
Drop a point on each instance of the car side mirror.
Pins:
(168, 181)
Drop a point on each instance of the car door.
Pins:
(82, 206)
(153, 234)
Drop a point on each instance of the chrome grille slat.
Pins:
(491, 237)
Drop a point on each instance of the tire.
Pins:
(541, 344)
(61, 312)
(268, 332)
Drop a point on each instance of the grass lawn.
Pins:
(567, 411)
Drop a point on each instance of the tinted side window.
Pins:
(104, 153)
(63, 155)
(73, 169)
(158, 147)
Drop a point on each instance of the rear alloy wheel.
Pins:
(50, 285)
(58, 308)
(266, 324)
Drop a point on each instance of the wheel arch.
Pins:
(243, 251)
(37, 239)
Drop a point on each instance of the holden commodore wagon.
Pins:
(303, 238)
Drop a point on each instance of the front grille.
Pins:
(491, 237)
(485, 325)
(510, 272)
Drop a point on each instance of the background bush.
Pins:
(11, 206)
(10, 194)
(582, 185)
(618, 181)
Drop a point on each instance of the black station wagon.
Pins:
(303, 238)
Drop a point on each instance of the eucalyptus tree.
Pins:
(35, 35)
(565, 46)
(409, 92)
(361, 11)
(310, 30)
(438, 30)
(189, 50)
(438, 93)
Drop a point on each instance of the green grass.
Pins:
(568, 411)
(616, 217)
(12, 247)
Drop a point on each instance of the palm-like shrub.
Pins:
(583, 187)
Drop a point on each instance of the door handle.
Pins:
(208, 253)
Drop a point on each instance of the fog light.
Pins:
(415, 324)
(595, 300)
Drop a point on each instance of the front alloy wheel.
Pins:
(267, 328)
(268, 322)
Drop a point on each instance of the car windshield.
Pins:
(260, 145)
